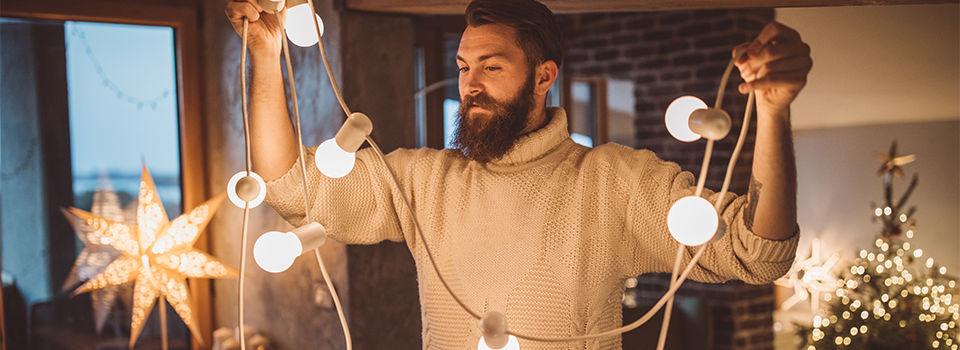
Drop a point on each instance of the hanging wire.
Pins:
(669, 310)
(381, 157)
(246, 205)
(422, 239)
(661, 342)
(303, 172)
(675, 282)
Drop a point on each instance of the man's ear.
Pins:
(546, 74)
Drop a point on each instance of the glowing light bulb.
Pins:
(275, 251)
(678, 117)
(300, 27)
(246, 190)
(335, 157)
(692, 221)
(333, 161)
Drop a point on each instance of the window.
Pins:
(89, 104)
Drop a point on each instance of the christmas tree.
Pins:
(891, 296)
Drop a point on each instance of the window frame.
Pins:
(183, 17)
(600, 125)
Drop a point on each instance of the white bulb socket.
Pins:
(336, 157)
(688, 119)
(246, 189)
(693, 221)
(276, 251)
(493, 327)
(677, 117)
(300, 27)
(711, 123)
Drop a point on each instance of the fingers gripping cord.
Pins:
(667, 298)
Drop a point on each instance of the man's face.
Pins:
(496, 92)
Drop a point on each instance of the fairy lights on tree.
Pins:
(891, 296)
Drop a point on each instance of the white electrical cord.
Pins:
(246, 205)
(676, 282)
(306, 194)
(661, 342)
(666, 298)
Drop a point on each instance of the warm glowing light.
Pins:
(158, 255)
(246, 190)
(692, 221)
(333, 161)
(512, 344)
(678, 117)
(275, 251)
(300, 28)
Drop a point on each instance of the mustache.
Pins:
(482, 99)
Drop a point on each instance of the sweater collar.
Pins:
(538, 143)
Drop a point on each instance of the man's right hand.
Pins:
(263, 31)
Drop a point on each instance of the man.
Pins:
(520, 218)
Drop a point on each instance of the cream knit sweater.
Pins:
(547, 234)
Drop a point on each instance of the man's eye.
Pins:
(492, 68)
(464, 69)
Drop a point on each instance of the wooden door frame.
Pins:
(183, 16)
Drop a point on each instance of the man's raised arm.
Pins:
(273, 143)
(775, 67)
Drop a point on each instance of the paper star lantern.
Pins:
(97, 252)
(157, 256)
(809, 278)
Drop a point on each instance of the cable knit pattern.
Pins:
(547, 234)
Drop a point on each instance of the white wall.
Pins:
(878, 64)
(837, 181)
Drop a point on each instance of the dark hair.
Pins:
(537, 33)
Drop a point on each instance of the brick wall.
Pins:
(667, 55)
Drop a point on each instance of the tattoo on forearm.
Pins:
(753, 198)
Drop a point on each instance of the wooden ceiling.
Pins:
(450, 7)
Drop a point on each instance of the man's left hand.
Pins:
(775, 67)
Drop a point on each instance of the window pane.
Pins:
(123, 109)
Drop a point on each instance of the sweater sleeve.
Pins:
(359, 208)
(738, 254)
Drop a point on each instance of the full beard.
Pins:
(482, 138)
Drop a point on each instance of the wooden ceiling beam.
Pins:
(450, 7)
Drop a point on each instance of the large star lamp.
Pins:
(157, 255)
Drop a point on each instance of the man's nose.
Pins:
(471, 84)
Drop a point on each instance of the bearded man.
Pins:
(521, 219)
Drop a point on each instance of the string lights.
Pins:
(692, 220)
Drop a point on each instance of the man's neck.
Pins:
(538, 119)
